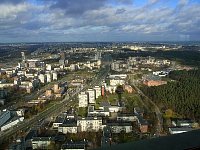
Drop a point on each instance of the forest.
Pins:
(181, 94)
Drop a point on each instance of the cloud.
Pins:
(126, 2)
(10, 10)
(11, 1)
(77, 7)
(98, 20)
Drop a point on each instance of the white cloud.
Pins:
(11, 10)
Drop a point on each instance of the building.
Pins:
(128, 88)
(55, 76)
(175, 130)
(97, 91)
(119, 126)
(3, 93)
(13, 121)
(116, 81)
(83, 99)
(4, 117)
(182, 123)
(102, 90)
(154, 83)
(56, 88)
(98, 112)
(48, 67)
(42, 78)
(42, 142)
(59, 121)
(126, 117)
(91, 96)
(121, 76)
(68, 126)
(111, 108)
(89, 124)
(48, 93)
(74, 145)
(49, 77)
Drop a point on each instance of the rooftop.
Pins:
(181, 129)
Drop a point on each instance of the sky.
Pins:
(99, 20)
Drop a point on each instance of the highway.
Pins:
(57, 107)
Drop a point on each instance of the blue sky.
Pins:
(99, 20)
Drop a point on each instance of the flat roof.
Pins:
(181, 129)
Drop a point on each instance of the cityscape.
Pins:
(75, 75)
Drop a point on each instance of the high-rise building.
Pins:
(55, 76)
(56, 88)
(91, 96)
(83, 99)
(23, 57)
(49, 77)
(42, 78)
(102, 90)
(97, 91)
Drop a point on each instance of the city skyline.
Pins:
(99, 20)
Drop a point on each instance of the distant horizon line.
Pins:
(146, 41)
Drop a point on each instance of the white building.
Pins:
(48, 67)
(98, 112)
(42, 142)
(11, 123)
(55, 76)
(67, 129)
(121, 76)
(176, 130)
(111, 89)
(4, 117)
(42, 78)
(91, 96)
(97, 91)
(126, 117)
(115, 82)
(89, 124)
(118, 127)
(83, 99)
(49, 77)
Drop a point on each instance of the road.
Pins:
(155, 108)
(57, 107)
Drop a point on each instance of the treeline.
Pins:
(187, 57)
(181, 95)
